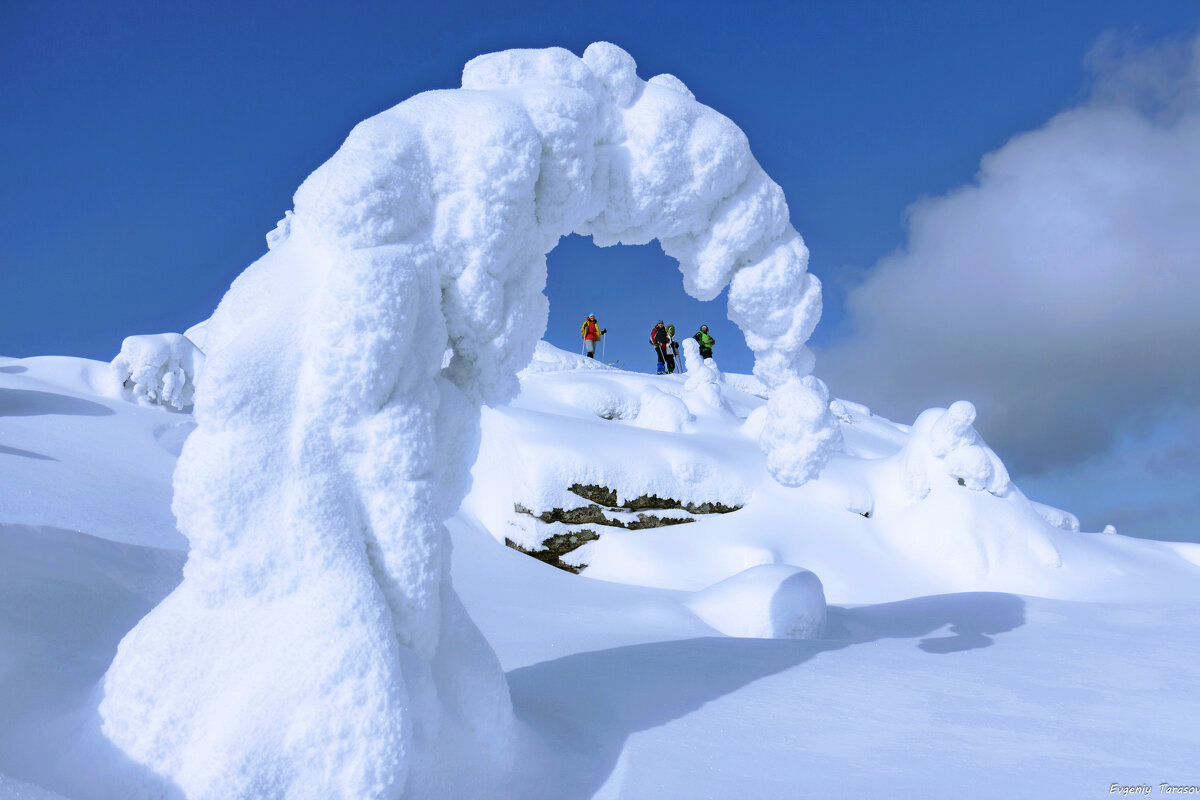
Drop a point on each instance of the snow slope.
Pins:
(1023, 678)
(887, 519)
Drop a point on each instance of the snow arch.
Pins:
(338, 418)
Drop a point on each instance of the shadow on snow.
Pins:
(32, 403)
(592, 702)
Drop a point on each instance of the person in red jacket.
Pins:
(591, 331)
(659, 340)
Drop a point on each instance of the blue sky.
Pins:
(148, 147)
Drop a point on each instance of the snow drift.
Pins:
(338, 419)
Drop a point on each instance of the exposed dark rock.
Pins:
(651, 521)
(557, 546)
(597, 494)
(593, 515)
(566, 542)
(710, 508)
(604, 496)
(545, 555)
(602, 499)
(587, 515)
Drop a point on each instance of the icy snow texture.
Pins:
(770, 601)
(339, 417)
(159, 369)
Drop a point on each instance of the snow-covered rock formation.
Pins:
(338, 418)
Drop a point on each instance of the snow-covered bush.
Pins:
(316, 647)
(944, 441)
(159, 369)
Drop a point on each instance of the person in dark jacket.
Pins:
(705, 341)
(672, 349)
(659, 341)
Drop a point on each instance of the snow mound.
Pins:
(327, 654)
(159, 369)
(769, 601)
(660, 411)
(606, 402)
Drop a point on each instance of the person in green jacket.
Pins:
(706, 342)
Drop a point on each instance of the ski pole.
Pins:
(602, 347)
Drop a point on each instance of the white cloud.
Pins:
(1060, 292)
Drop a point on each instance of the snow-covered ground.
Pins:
(970, 647)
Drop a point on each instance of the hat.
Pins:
(703, 327)
(660, 322)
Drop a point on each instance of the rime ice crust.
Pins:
(800, 432)
(331, 655)
(159, 369)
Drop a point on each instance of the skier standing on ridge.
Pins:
(591, 331)
(659, 340)
(706, 342)
(672, 349)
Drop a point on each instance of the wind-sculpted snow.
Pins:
(338, 419)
